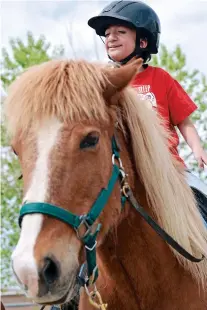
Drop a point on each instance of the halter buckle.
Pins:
(87, 227)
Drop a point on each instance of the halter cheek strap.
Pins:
(86, 221)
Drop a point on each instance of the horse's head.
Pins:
(62, 121)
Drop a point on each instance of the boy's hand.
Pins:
(201, 157)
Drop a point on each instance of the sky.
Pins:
(183, 22)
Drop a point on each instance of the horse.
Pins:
(91, 152)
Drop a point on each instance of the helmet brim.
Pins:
(101, 23)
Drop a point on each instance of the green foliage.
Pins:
(11, 195)
(22, 55)
(25, 55)
(195, 84)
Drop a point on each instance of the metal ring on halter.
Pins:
(125, 189)
(123, 175)
(87, 226)
(92, 248)
(119, 160)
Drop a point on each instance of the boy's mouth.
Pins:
(113, 47)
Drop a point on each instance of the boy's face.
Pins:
(120, 42)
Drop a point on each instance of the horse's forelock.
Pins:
(68, 90)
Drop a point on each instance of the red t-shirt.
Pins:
(166, 96)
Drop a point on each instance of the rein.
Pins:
(161, 232)
(87, 233)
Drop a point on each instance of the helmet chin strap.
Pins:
(138, 52)
(125, 60)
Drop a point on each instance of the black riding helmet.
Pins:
(132, 14)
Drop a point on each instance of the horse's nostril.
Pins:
(50, 271)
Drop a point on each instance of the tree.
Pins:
(195, 84)
(22, 56)
(25, 55)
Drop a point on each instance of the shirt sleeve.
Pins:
(180, 104)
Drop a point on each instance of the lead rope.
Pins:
(52, 308)
(95, 299)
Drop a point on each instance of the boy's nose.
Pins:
(112, 37)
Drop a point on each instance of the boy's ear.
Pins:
(143, 42)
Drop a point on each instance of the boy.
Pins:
(132, 29)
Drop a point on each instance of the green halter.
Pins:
(76, 221)
(89, 271)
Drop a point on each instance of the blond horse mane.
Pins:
(45, 90)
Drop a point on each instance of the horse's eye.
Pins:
(90, 140)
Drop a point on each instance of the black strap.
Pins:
(201, 200)
(160, 231)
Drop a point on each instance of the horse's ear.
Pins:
(119, 78)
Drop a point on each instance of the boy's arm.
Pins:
(190, 135)
(181, 107)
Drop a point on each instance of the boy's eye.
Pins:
(107, 34)
(122, 31)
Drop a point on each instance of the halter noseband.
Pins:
(77, 221)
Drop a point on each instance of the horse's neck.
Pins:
(138, 270)
(137, 258)
(134, 261)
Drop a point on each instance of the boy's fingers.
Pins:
(200, 163)
(204, 159)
